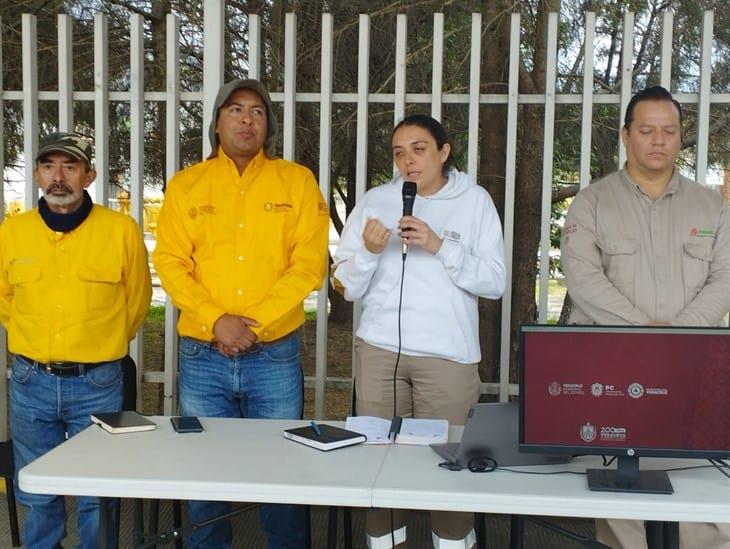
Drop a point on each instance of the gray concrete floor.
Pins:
(248, 534)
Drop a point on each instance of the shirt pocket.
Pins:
(696, 261)
(27, 295)
(101, 284)
(619, 258)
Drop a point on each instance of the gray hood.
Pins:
(224, 93)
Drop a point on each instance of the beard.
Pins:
(66, 196)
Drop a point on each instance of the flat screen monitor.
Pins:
(626, 392)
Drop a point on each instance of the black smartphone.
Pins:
(186, 424)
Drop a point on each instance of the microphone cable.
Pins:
(400, 333)
(408, 191)
(395, 374)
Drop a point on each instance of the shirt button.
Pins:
(239, 291)
(240, 258)
(203, 328)
(240, 225)
(241, 193)
(57, 336)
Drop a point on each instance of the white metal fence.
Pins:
(326, 96)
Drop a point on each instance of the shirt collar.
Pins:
(627, 180)
(230, 165)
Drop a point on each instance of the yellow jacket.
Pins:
(252, 245)
(75, 297)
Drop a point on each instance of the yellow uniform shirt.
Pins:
(253, 244)
(74, 297)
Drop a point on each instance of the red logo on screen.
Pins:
(588, 432)
(554, 388)
(636, 390)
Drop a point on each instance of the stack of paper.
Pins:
(412, 431)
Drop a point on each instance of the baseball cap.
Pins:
(222, 98)
(69, 143)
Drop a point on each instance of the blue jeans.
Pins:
(262, 384)
(44, 409)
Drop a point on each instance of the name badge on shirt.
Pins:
(452, 235)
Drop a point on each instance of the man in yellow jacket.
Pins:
(74, 289)
(241, 241)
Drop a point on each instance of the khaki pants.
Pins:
(630, 534)
(425, 388)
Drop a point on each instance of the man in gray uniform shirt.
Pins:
(647, 246)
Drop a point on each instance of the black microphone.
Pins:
(409, 197)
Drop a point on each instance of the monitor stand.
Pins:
(628, 478)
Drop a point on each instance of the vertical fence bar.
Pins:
(627, 56)
(136, 115)
(172, 163)
(703, 109)
(254, 45)
(401, 50)
(65, 73)
(325, 157)
(509, 202)
(101, 108)
(172, 100)
(547, 162)
(136, 161)
(290, 85)
(30, 105)
(586, 126)
(665, 76)
(361, 148)
(213, 28)
(474, 66)
(438, 65)
(3, 335)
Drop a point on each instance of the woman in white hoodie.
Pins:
(455, 255)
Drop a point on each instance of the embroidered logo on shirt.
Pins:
(694, 231)
(570, 229)
(452, 235)
(277, 207)
(194, 211)
(23, 261)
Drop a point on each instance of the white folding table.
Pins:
(249, 460)
(238, 460)
(411, 479)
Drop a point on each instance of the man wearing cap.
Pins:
(647, 246)
(241, 241)
(74, 289)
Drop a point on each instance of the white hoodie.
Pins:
(439, 315)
